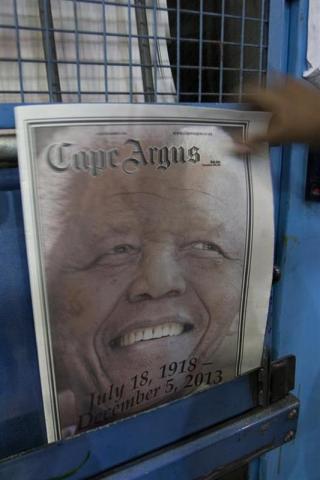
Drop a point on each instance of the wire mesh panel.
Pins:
(131, 50)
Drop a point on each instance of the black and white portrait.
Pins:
(144, 238)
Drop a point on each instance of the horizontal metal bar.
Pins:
(127, 93)
(206, 452)
(126, 35)
(124, 64)
(215, 449)
(7, 109)
(8, 147)
(124, 440)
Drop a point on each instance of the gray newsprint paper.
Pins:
(150, 250)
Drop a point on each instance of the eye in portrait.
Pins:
(143, 229)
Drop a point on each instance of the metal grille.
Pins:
(131, 50)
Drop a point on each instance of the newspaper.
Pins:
(150, 250)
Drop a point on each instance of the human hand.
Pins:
(295, 109)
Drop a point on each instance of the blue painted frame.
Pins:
(32, 418)
(296, 299)
(201, 454)
(21, 415)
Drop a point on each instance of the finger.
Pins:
(249, 146)
(255, 143)
(273, 137)
(294, 86)
(275, 134)
(241, 148)
(266, 99)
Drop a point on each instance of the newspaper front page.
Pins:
(150, 249)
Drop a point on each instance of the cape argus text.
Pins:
(64, 156)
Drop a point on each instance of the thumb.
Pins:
(272, 137)
(251, 145)
(274, 134)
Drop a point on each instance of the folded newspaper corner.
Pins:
(150, 250)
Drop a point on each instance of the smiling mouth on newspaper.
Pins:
(143, 334)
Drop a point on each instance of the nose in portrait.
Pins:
(159, 276)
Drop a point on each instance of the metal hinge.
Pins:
(282, 375)
(276, 380)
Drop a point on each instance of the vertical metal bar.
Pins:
(75, 13)
(278, 33)
(144, 50)
(105, 52)
(49, 48)
(200, 51)
(130, 52)
(16, 23)
(155, 49)
(261, 41)
(178, 50)
(288, 29)
(243, 15)
(221, 52)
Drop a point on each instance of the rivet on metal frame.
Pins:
(276, 274)
(293, 414)
(290, 436)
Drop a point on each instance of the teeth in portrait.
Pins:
(150, 333)
(145, 266)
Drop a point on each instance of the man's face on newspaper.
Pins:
(147, 271)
